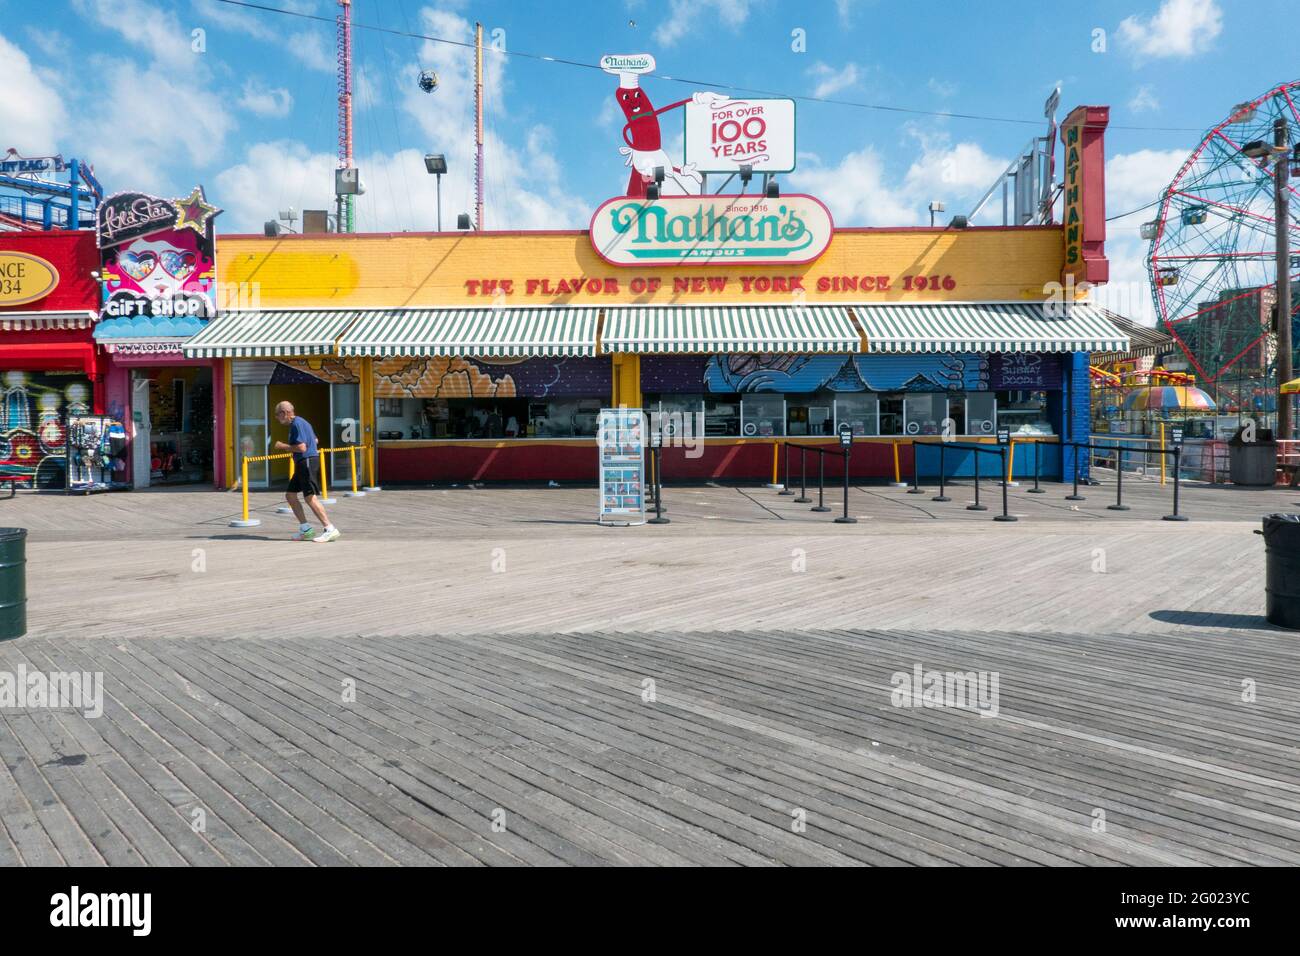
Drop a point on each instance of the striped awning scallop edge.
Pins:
(735, 328)
(270, 333)
(21, 321)
(550, 331)
(988, 327)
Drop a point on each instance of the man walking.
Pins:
(306, 474)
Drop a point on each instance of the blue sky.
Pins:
(251, 114)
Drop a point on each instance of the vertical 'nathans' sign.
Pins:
(708, 230)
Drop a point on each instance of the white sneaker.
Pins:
(327, 536)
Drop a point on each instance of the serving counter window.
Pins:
(479, 418)
(762, 416)
(861, 411)
(1024, 412)
(924, 413)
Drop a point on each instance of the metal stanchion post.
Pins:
(659, 512)
(803, 498)
(977, 506)
(941, 496)
(1006, 515)
(371, 455)
(1076, 496)
(1038, 457)
(1178, 454)
(845, 519)
(916, 461)
(786, 490)
(821, 483)
(1119, 484)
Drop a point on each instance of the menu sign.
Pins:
(620, 439)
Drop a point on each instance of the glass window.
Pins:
(860, 410)
(924, 413)
(677, 415)
(981, 413)
(1024, 412)
(416, 418)
(810, 414)
(722, 416)
(762, 416)
(891, 414)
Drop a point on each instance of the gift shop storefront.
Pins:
(158, 290)
(50, 367)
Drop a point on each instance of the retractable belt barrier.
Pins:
(999, 451)
(842, 452)
(1176, 452)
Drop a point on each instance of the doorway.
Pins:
(171, 412)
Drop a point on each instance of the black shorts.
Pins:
(306, 477)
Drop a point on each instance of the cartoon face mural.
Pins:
(157, 256)
(168, 273)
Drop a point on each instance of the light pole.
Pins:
(1278, 153)
(436, 164)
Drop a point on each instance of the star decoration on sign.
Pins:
(193, 212)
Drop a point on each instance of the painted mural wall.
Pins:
(442, 377)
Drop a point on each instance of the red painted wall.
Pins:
(74, 254)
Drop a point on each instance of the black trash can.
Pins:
(1282, 570)
(13, 583)
(1252, 463)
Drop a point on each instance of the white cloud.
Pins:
(1133, 180)
(265, 101)
(52, 43)
(941, 88)
(831, 80)
(1180, 28)
(313, 49)
(525, 186)
(152, 28)
(684, 16)
(170, 121)
(1144, 99)
(860, 191)
(32, 114)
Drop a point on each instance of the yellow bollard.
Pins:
(775, 476)
(1011, 460)
(1162, 457)
(897, 480)
(324, 481)
(352, 468)
(245, 521)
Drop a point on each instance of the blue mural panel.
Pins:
(774, 372)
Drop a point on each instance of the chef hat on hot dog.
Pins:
(629, 67)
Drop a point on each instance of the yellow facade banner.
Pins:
(511, 269)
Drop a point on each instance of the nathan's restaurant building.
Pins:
(487, 356)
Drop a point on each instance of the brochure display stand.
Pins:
(620, 439)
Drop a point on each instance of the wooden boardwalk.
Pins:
(549, 735)
(499, 645)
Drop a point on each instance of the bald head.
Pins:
(284, 412)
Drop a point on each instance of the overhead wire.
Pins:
(563, 61)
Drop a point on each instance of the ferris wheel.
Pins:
(1212, 257)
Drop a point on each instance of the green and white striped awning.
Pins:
(988, 327)
(270, 333)
(777, 328)
(474, 333)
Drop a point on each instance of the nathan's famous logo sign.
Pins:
(158, 256)
(707, 230)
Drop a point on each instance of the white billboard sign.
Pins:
(735, 133)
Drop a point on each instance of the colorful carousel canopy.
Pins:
(1154, 398)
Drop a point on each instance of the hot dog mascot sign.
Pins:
(642, 147)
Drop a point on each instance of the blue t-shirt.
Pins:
(300, 431)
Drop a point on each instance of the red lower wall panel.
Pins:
(750, 461)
